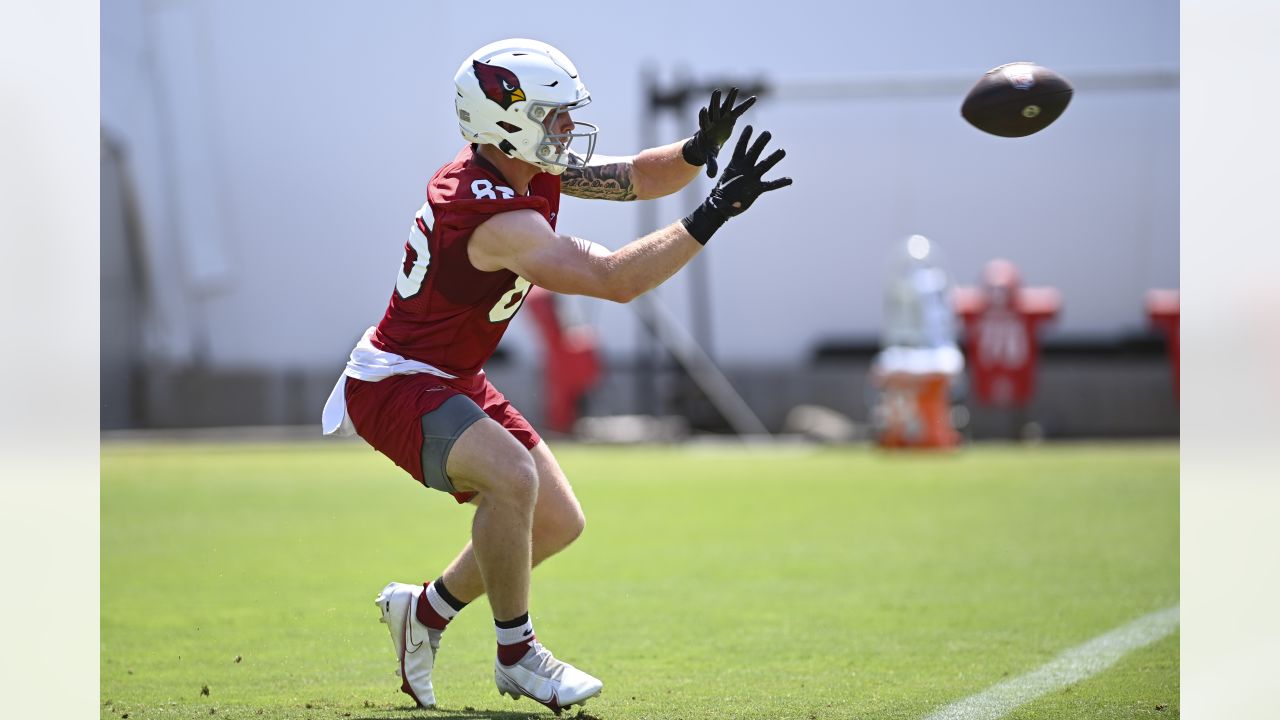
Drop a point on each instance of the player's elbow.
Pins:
(653, 185)
(650, 189)
(646, 190)
(623, 292)
(617, 282)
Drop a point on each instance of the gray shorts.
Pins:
(440, 429)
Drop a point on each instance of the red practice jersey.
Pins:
(445, 312)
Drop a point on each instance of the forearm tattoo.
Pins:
(599, 182)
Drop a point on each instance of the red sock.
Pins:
(515, 637)
(436, 606)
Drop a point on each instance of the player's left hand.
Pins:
(743, 179)
(715, 127)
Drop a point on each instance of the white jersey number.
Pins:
(417, 256)
(484, 190)
(510, 301)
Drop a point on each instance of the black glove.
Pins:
(738, 188)
(715, 127)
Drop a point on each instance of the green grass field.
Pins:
(238, 581)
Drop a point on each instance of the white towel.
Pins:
(370, 364)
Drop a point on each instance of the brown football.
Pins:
(1016, 100)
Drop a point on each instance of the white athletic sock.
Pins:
(515, 635)
(514, 642)
(438, 604)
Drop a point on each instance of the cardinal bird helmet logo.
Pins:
(498, 83)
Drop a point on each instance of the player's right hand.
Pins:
(742, 181)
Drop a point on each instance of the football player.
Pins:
(414, 387)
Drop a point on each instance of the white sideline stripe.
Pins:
(1070, 667)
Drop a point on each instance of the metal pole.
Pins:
(646, 353)
(699, 285)
(702, 373)
(699, 277)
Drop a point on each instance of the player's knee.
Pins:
(558, 528)
(516, 481)
(572, 527)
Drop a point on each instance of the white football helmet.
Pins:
(510, 92)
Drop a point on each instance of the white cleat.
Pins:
(542, 678)
(415, 643)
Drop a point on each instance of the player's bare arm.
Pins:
(606, 178)
(521, 240)
(654, 173)
(657, 172)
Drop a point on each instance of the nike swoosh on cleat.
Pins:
(520, 689)
(408, 630)
(552, 704)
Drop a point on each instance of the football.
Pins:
(1016, 100)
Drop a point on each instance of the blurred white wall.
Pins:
(280, 150)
